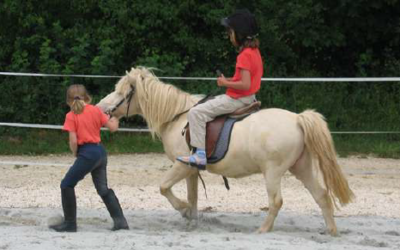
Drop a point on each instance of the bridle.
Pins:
(128, 98)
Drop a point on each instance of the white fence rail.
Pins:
(295, 79)
(47, 126)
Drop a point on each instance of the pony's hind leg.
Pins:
(303, 171)
(192, 194)
(178, 172)
(273, 176)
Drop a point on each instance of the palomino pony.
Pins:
(270, 142)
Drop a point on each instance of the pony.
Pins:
(269, 142)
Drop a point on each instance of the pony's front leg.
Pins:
(273, 181)
(178, 172)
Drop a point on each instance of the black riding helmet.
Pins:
(243, 23)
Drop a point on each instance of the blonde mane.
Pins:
(159, 103)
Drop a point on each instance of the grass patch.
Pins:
(27, 141)
(125, 142)
(378, 145)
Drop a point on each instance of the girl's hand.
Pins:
(112, 124)
(243, 84)
(221, 81)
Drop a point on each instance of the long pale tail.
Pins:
(318, 141)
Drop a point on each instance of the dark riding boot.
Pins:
(69, 206)
(115, 210)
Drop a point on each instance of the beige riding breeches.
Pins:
(199, 115)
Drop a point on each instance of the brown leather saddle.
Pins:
(214, 127)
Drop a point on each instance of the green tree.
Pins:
(184, 38)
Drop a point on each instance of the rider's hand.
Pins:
(221, 81)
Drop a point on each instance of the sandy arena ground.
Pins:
(30, 200)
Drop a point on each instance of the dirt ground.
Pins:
(34, 182)
(30, 201)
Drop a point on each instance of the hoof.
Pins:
(189, 213)
(334, 233)
(264, 229)
(261, 231)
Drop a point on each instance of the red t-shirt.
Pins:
(249, 59)
(87, 124)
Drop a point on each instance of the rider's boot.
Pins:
(198, 159)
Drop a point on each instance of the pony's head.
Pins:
(123, 101)
(117, 102)
(141, 92)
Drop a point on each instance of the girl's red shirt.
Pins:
(249, 59)
(87, 124)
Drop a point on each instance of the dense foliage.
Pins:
(308, 38)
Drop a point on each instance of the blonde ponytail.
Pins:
(77, 106)
(77, 97)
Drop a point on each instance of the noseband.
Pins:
(128, 98)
